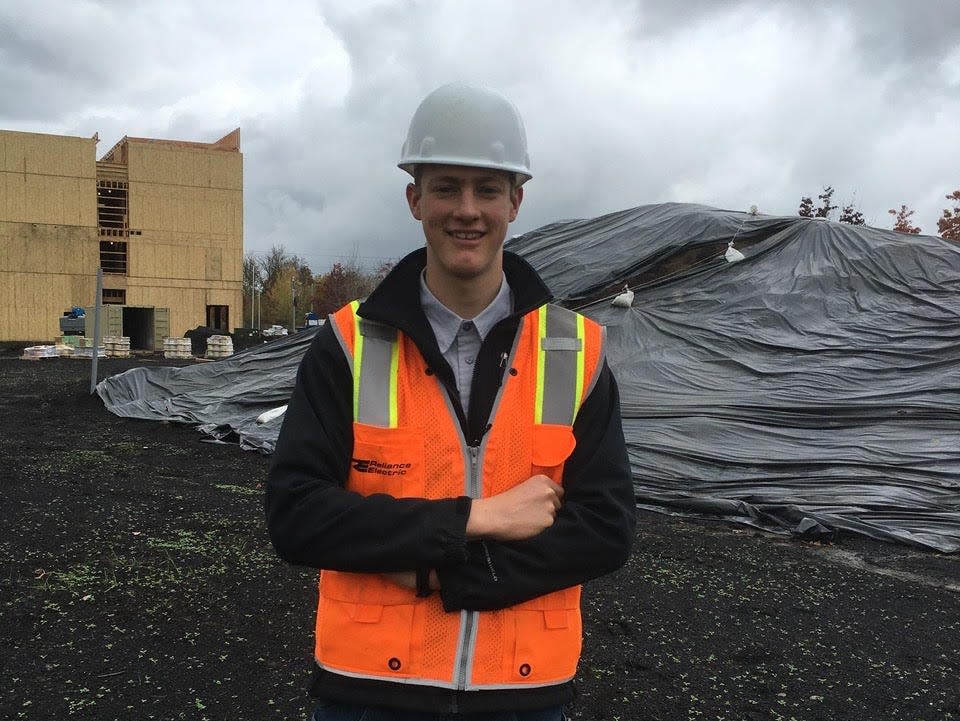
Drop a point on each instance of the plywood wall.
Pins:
(44, 269)
(185, 207)
(47, 179)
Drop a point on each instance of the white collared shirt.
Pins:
(460, 339)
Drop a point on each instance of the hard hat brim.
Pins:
(410, 165)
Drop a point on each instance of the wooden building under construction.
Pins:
(162, 218)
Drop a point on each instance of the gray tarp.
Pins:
(815, 382)
(818, 378)
(222, 398)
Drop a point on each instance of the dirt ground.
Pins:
(138, 582)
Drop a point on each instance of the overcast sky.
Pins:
(730, 104)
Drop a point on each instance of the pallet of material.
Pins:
(219, 346)
(117, 346)
(177, 348)
(36, 352)
(88, 352)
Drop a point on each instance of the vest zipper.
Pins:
(470, 617)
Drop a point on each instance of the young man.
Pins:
(452, 457)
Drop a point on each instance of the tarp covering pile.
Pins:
(812, 387)
(222, 399)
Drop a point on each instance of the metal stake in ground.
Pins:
(96, 331)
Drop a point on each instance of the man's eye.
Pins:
(444, 189)
(489, 190)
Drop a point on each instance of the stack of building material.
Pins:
(177, 348)
(39, 351)
(87, 352)
(118, 346)
(219, 346)
(84, 348)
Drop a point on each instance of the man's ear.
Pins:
(413, 200)
(515, 202)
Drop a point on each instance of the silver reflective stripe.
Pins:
(549, 343)
(563, 350)
(370, 329)
(373, 404)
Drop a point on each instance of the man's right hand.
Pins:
(522, 512)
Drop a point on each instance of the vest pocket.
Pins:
(552, 445)
(547, 638)
(387, 460)
(370, 640)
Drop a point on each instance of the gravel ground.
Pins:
(138, 582)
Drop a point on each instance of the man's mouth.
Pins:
(466, 234)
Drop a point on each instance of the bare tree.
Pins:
(851, 216)
(825, 208)
(807, 209)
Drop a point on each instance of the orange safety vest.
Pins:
(408, 443)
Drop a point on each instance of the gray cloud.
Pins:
(626, 102)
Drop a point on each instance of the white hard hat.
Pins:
(460, 124)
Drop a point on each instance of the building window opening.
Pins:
(113, 257)
(218, 316)
(112, 207)
(114, 296)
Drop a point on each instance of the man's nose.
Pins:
(468, 206)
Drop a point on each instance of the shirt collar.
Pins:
(446, 324)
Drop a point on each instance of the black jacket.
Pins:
(314, 521)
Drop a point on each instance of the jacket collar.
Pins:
(396, 300)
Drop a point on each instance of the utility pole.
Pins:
(293, 306)
(97, 304)
(253, 283)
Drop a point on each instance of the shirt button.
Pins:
(469, 361)
(467, 325)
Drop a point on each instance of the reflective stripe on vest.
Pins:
(559, 366)
(376, 353)
(560, 369)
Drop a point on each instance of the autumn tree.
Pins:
(383, 269)
(343, 283)
(901, 220)
(286, 280)
(949, 225)
(252, 283)
(278, 297)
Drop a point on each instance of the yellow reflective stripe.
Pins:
(376, 369)
(357, 358)
(541, 362)
(581, 356)
(394, 375)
